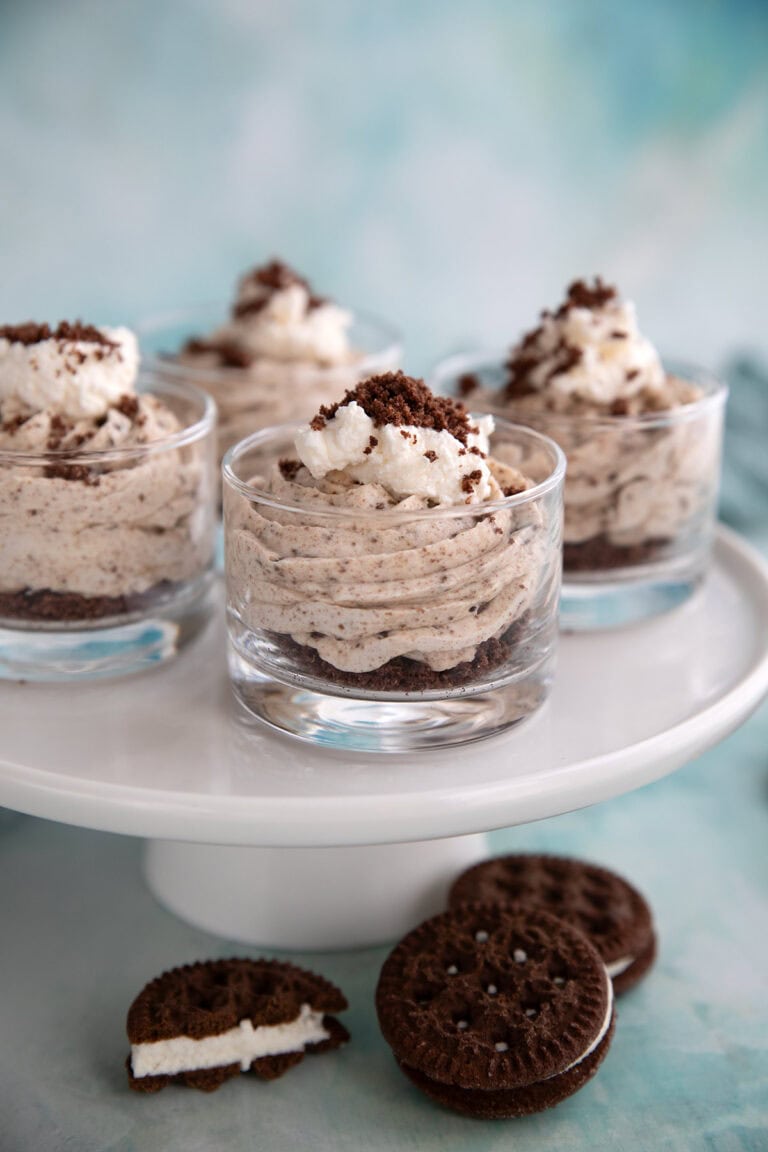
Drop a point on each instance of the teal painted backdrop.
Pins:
(449, 165)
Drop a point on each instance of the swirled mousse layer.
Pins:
(630, 488)
(367, 575)
(283, 352)
(86, 534)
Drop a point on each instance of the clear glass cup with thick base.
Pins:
(380, 628)
(106, 565)
(640, 492)
(268, 391)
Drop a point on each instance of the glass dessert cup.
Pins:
(394, 629)
(106, 566)
(268, 392)
(640, 492)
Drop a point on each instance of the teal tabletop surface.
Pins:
(688, 1068)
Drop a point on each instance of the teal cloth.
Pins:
(744, 501)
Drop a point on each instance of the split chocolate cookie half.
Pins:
(204, 1023)
(607, 908)
(496, 1012)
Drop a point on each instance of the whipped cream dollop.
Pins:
(590, 348)
(392, 431)
(277, 316)
(74, 370)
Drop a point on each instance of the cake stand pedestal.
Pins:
(299, 898)
(265, 839)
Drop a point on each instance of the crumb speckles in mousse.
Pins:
(384, 555)
(105, 488)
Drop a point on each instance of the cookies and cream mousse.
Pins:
(88, 536)
(283, 352)
(346, 570)
(630, 488)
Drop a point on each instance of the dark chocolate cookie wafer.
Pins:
(203, 1023)
(603, 905)
(494, 1011)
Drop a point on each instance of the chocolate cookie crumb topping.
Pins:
(396, 399)
(521, 365)
(274, 277)
(583, 295)
(32, 333)
(468, 383)
(197, 344)
(431, 456)
(230, 354)
(128, 405)
(288, 468)
(470, 481)
(519, 369)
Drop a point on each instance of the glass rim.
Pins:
(554, 479)
(392, 345)
(716, 394)
(146, 384)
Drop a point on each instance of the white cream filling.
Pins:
(239, 1045)
(598, 1038)
(616, 967)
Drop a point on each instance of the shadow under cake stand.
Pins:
(262, 838)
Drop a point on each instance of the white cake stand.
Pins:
(264, 839)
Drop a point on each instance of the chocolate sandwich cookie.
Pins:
(603, 905)
(204, 1023)
(496, 1012)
